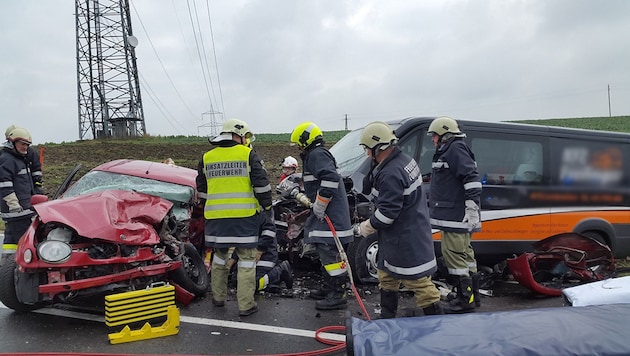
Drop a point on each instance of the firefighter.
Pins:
(235, 186)
(269, 273)
(35, 164)
(324, 187)
(289, 166)
(16, 189)
(454, 207)
(401, 220)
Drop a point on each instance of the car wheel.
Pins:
(8, 295)
(192, 276)
(362, 254)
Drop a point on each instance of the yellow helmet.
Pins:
(442, 125)
(8, 131)
(377, 133)
(238, 127)
(305, 134)
(19, 134)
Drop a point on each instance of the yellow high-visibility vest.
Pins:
(230, 191)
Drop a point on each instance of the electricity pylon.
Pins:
(108, 88)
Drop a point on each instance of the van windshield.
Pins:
(349, 153)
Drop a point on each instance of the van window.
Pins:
(588, 163)
(424, 156)
(514, 160)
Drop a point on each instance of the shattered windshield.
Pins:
(348, 153)
(96, 181)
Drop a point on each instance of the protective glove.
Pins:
(471, 215)
(13, 203)
(366, 229)
(259, 254)
(38, 187)
(16, 209)
(319, 206)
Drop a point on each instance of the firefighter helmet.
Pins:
(377, 133)
(305, 134)
(19, 134)
(289, 162)
(442, 125)
(238, 127)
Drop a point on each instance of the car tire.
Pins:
(362, 255)
(8, 295)
(192, 276)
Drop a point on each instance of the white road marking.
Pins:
(200, 321)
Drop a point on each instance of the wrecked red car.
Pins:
(561, 261)
(123, 226)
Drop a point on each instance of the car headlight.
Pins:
(53, 251)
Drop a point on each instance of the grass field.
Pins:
(60, 158)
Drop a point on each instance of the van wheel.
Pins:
(192, 276)
(362, 254)
(8, 295)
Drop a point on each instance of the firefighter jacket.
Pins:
(320, 176)
(35, 167)
(235, 186)
(15, 178)
(454, 180)
(405, 244)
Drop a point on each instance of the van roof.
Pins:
(402, 126)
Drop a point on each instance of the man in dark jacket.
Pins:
(454, 206)
(16, 189)
(324, 187)
(235, 186)
(401, 220)
(35, 166)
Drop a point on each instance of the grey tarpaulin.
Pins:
(590, 330)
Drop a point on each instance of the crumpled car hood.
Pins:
(114, 215)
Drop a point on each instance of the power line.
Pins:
(214, 52)
(204, 69)
(161, 63)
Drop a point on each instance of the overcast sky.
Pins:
(279, 63)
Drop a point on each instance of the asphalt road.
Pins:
(286, 324)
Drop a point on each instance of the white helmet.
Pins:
(238, 127)
(19, 134)
(289, 161)
(377, 133)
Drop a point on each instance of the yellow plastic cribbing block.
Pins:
(134, 306)
(170, 327)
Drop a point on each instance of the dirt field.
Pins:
(59, 159)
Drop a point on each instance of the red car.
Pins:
(125, 225)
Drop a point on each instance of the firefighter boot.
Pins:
(475, 286)
(336, 298)
(323, 291)
(286, 275)
(434, 309)
(389, 304)
(465, 299)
